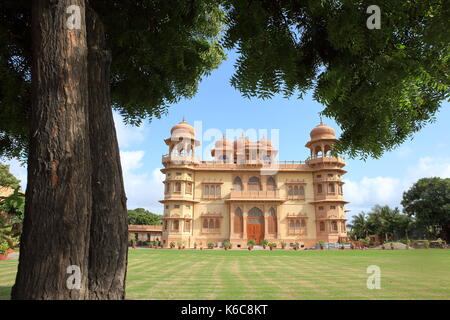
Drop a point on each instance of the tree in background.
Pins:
(7, 179)
(380, 85)
(57, 88)
(428, 201)
(140, 216)
(383, 221)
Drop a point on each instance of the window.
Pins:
(237, 184)
(177, 206)
(334, 226)
(319, 176)
(167, 190)
(190, 175)
(189, 187)
(332, 207)
(296, 192)
(297, 226)
(178, 173)
(272, 227)
(271, 185)
(331, 188)
(175, 225)
(165, 225)
(340, 189)
(211, 191)
(254, 184)
(319, 188)
(322, 226)
(330, 175)
(177, 187)
(238, 221)
(188, 206)
(211, 225)
(321, 208)
(167, 206)
(187, 226)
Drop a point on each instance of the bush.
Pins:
(265, 242)
(4, 247)
(272, 245)
(283, 244)
(172, 244)
(251, 243)
(227, 244)
(211, 245)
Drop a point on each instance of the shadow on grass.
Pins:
(5, 293)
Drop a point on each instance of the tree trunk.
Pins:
(109, 224)
(58, 203)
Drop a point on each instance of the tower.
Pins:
(179, 185)
(327, 181)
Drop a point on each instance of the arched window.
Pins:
(297, 224)
(176, 225)
(301, 191)
(177, 186)
(167, 187)
(319, 188)
(211, 224)
(237, 184)
(334, 225)
(217, 191)
(327, 151)
(331, 188)
(272, 227)
(217, 224)
(206, 193)
(255, 212)
(290, 191)
(205, 223)
(303, 223)
(318, 152)
(189, 187)
(271, 185)
(322, 226)
(254, 184)
(295, 190)
(238, 220)
(187, 226)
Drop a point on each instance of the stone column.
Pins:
(231, 222)
(244, 222)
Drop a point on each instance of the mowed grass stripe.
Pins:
(280, 274)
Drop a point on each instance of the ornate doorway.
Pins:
(255, 225)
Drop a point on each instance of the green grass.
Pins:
(240, 274)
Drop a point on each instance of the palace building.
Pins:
(244, 194)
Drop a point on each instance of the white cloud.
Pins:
(368, 191)
(127, 135)
(145, 189)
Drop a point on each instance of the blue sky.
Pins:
(219, 106)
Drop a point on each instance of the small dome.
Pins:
(224, 144)
(183, 129)
(241, 142)
(265, 143)
(322, 131)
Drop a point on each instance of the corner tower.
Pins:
(327, 181)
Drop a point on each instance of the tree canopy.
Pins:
(428, 201)
(7, 179)
(160, 51)
(140, 216)
(380, 85)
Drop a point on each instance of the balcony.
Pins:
(250, 195)
(326, 160)
(178, 159)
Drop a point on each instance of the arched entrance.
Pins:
(255, 225)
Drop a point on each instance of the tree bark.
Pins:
(58, 197)
(109, 225)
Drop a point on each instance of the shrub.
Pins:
(272, 245)
(283, 244)
(4, 247)
(265, 242)
(211, 245)
(227, 244)
(172, 244)
(251, 243)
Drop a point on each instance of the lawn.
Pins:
(240, 274)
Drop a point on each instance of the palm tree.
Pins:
(359, 226)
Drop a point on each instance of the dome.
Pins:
(224, 144)
(322, 131)
(265, 143)
(183, 129)
(241, 142)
